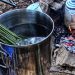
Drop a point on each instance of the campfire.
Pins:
(63, 51)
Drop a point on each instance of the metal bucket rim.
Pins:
(34, 43)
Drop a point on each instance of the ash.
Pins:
(60, 31)
(31, 40)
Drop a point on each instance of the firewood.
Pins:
(64, 57)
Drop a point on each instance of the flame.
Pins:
(70, 28)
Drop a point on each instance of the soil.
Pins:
(19, 4)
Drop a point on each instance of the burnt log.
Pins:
(64, 57)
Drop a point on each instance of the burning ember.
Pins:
(65, 36)
(72, 31)
(69, 43)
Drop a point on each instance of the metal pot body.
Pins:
(28, 59)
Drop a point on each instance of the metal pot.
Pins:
(27, 59)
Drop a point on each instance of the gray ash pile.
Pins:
(60, 31)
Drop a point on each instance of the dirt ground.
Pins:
(19, 4)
